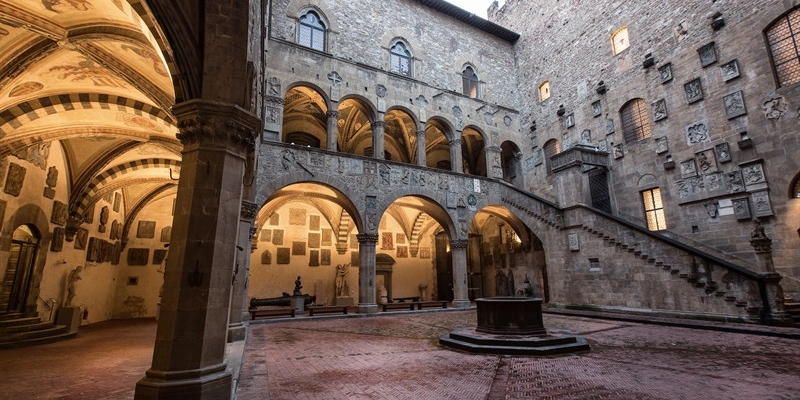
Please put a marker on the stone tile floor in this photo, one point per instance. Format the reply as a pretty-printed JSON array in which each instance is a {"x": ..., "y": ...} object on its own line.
[{"x": 396, "y": 356}]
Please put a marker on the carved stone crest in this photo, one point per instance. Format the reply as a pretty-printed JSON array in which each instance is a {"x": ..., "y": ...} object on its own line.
[{"x": 775, "y": 106}]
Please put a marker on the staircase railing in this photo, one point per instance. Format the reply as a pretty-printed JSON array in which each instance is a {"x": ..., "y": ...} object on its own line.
[{"x": 49, "y": 304}]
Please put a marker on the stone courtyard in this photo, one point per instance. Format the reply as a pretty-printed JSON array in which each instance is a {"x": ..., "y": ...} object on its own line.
[{"x": 396, "y": 356}]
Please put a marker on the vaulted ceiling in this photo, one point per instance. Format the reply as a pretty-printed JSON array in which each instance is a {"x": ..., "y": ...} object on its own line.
[{"x": 91, "y": 77}]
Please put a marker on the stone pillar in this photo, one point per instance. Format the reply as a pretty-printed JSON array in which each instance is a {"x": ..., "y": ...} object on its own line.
[
  {"x": 378, "y": 128},
  {"x": 366, "y": 273},
  {"x": 333, "y": 129},
  {"x": 455, "y": 155},
  {"x": 460, "y": 292},
  {"x": 237, "y": 330},
  {"x": 772, "y": 292},
  {"x": 189, "y": 352},
  {"x": 421, "y": 153}
]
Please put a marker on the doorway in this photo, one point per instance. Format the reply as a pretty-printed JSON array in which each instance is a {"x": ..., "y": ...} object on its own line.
[
  {"x": 444, "y": 268},
  {"x": 19, "y": 269}
]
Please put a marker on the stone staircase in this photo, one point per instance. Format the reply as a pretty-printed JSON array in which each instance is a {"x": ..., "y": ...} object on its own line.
[{"x": 18, "y": 330}]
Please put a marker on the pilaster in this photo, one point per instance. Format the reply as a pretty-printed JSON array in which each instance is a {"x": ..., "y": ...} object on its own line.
[{"x": 366, "y": 273}]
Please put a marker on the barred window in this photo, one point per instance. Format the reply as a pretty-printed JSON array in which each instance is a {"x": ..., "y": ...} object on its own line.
[
  {"x": 782, "y": 37},
  {"x": 311, "y": 31},
  {"x": 470, "y": 82},
  {"x": 635, "y": 121},
  {"x": 619, "y": 40},
  {"x": 654, "y": 210},
  {"x": 400, "y": 59}
]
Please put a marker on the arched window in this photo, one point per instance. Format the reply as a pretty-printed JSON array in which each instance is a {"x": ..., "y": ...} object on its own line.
[
  {"x": 619, "y": 40},
  {"x": 635, "y": 122},
  {"x": 544, "y": 91},
  {"x": 551, "y": 148},
  {"x": 400, "y": 59},
  {"x": 311, "y": 31},
  {"x": 784, "y": 49},
  {"x": 469, "y": 80}
]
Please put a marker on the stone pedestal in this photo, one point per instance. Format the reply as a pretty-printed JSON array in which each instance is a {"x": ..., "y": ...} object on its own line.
[
  {"x": 299, "y": 304},
  {"x": 70, "y": 317},
  {"x": 344, "y": 301}
]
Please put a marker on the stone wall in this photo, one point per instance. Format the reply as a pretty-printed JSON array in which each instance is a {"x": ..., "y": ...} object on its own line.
[{"x": 569, "y": 44}]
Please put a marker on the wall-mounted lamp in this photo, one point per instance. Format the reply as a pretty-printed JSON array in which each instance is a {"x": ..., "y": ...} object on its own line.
[
  {"x": 745, "y": 142},
  {"x": 669, "y": 164},
  {"x": 649, "y": 61},
  {"x": 601, "y": 88},
  {"x": 717, "y": 22},
  {"x": 561, "y": 111}
]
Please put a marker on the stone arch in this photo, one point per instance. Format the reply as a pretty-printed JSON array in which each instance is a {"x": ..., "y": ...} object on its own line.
[
  {"x": 511, "y": 162},
  {"x": 357, "y": 116},
  {"x": 297, "y": 7},
  {"x": 322, "y": 93},
  {"x": 305, "y": 115},
  {"x": 268, "y": 189},
  {"x": 431, "y": 198},
  {"x": 438, "y": 134},
  {"x": 474, "y": 143},
  {"x": 400, "y": 134}
]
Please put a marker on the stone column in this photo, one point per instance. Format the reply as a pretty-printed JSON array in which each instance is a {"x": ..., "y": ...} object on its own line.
[
  {"x": 366, "y": 273},
  {"x": 421, "y": 153},
  {"x": 378, "y": 128},
  {"x": 237, "y": 329},
  {"x": 459, "y": 255},
  {"x": 457, "y": 162},
  {"x": 333, "y": 129},
  {"x": 772, "y": 292},
  {"x": 189, "y": 352}
]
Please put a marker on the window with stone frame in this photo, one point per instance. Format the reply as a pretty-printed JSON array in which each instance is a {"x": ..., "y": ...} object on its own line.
[
  {"x": 620, "y": 41},
  {"x": 784, "y": 50},
  {"x": 544, "y": 91},
  {"x": 469, "y": 80},
  {"x": 654, "y": 210},
  {"x": 400, "y": 59},
  {"x": 635, "y": 121},
  {"x": 551, "y": 148},
  {"x": 311, "y": 31}
]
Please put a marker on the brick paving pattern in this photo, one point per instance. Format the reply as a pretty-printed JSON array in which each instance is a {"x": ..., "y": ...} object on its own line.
[{"x": 397, "y": 356}]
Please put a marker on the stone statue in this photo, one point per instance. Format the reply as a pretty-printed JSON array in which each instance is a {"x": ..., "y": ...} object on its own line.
[
  {"x": 527, "y": 289},
  {"x": 73, "y": 277},
  {"x": 297, "y": 286},
  {"x": 383, "y": 295},
  {"x": 341, "y": 280},
  {"x": 758, "y": 230}
]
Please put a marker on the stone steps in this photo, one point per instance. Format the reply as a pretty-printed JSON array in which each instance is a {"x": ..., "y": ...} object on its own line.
[{"x": 27, "y": 331}]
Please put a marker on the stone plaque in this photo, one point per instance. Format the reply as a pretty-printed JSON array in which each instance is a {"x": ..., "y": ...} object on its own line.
[
  {"x": 57, "y": 243},
  {"x": 400, "y": 238},
  {"x": 275, "y": 219},
  {"x": 114, "y": 230},
  {"x": 661, "y": 145},
  {"x": 529, "y": 163},
  {"x": 753, "y": 174},
  {"x": 117, "y": 201},
  {"x": 694, "y": 91},
  {"x": 313, "y": 240},
  {"x": 723, "y": 151},
  {"x": 2, "y": 213},
  {"x": 619, "y": 151},
  {"x": 697, "y": 133},
  {"x": 313, "y": 223},
  {"x": 741, "y": 208},
  {"x": 734, "y": 183},
  {"x": 660, "y": 110},
  {"x": 354, "y": 241},
  {"x": 761, "y": 203},
  {"x": 327, "y": 237},
  {"x": 88, "y": 214},
  {"x": 597, "y": 109},
  {"x": 325, "y": 256},
  {"x": 708, "y": 54},
  {"x": 159, "y": 255},
  {"x": 387, "y": 242},
  {"x": 729, "y": 70},
  {"x": 734, "y": 105},
  {"x": 266, "y": 235},
  {"x": 688, "y": 168},
  {"x": 146, "y": 229},
  {"x": 137, "y": 256},
  {"x": 166, "y": 234},
  {"x": 574, "y": 245},
  {"x": 93, "y": 251},
  {"x": 665, "y": 72},
  {"x": 297, "y": 216},
  {"x": 283, "y": 255},
  {"x": 266, "y": 257},
  {"x": 116, "y": 251},
  {"x": 715, "y": 184},
  {"x": 609, "y": 126},
  {"x": 277, "y": 237},
  {"x": 298, "y": 248},
  {"x": 569, "y": 121},
  {"x": 81, "y": 239},
  {"x": 313, "y": 258},
  {"x": 355, "y": 259},
  {"x": 59, "y": 216},
  {"x": 402, "y": 252},
  {"x": 706, "y": 163},
  {"x": 425, "y": 252},
  {"x": 15, "y": 179}
]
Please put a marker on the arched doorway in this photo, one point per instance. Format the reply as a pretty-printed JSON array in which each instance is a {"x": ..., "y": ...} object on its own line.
[{"x": 19, "y": 269}]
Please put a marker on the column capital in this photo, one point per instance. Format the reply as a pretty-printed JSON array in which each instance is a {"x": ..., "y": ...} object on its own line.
[
  {"x": 378, "y": 124},
  {"x": 203, "y": 121},
  {"x": 367, "y": 238},
  {"x": 421, "y": 133},
  {"x": 458, "y": 244},
  {"x": 332, "y": 114},
  {"x": 249, "y": 210},
  {"x": 455, "y": 142}
]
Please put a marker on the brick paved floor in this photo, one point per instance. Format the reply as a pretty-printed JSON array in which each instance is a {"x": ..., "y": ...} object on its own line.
[{"x": 397, "y": 356}]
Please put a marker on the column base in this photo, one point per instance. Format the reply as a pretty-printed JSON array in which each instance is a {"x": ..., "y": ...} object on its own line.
[
  {"x": 236, "y": 332},
  {"x": 213, "y": 383},
  {"x": 368, "y": 308},
  {"x": 461, "y": 304}
]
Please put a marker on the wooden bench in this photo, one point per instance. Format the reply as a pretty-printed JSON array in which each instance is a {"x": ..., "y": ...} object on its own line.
[
  {"x": 431, "y": 303},
  {"x": 403, "y": 299},
  {"x": 256, "y": 312},
  {"x": 326, "y": 309},
  {"x": 397, "y": 306}
]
